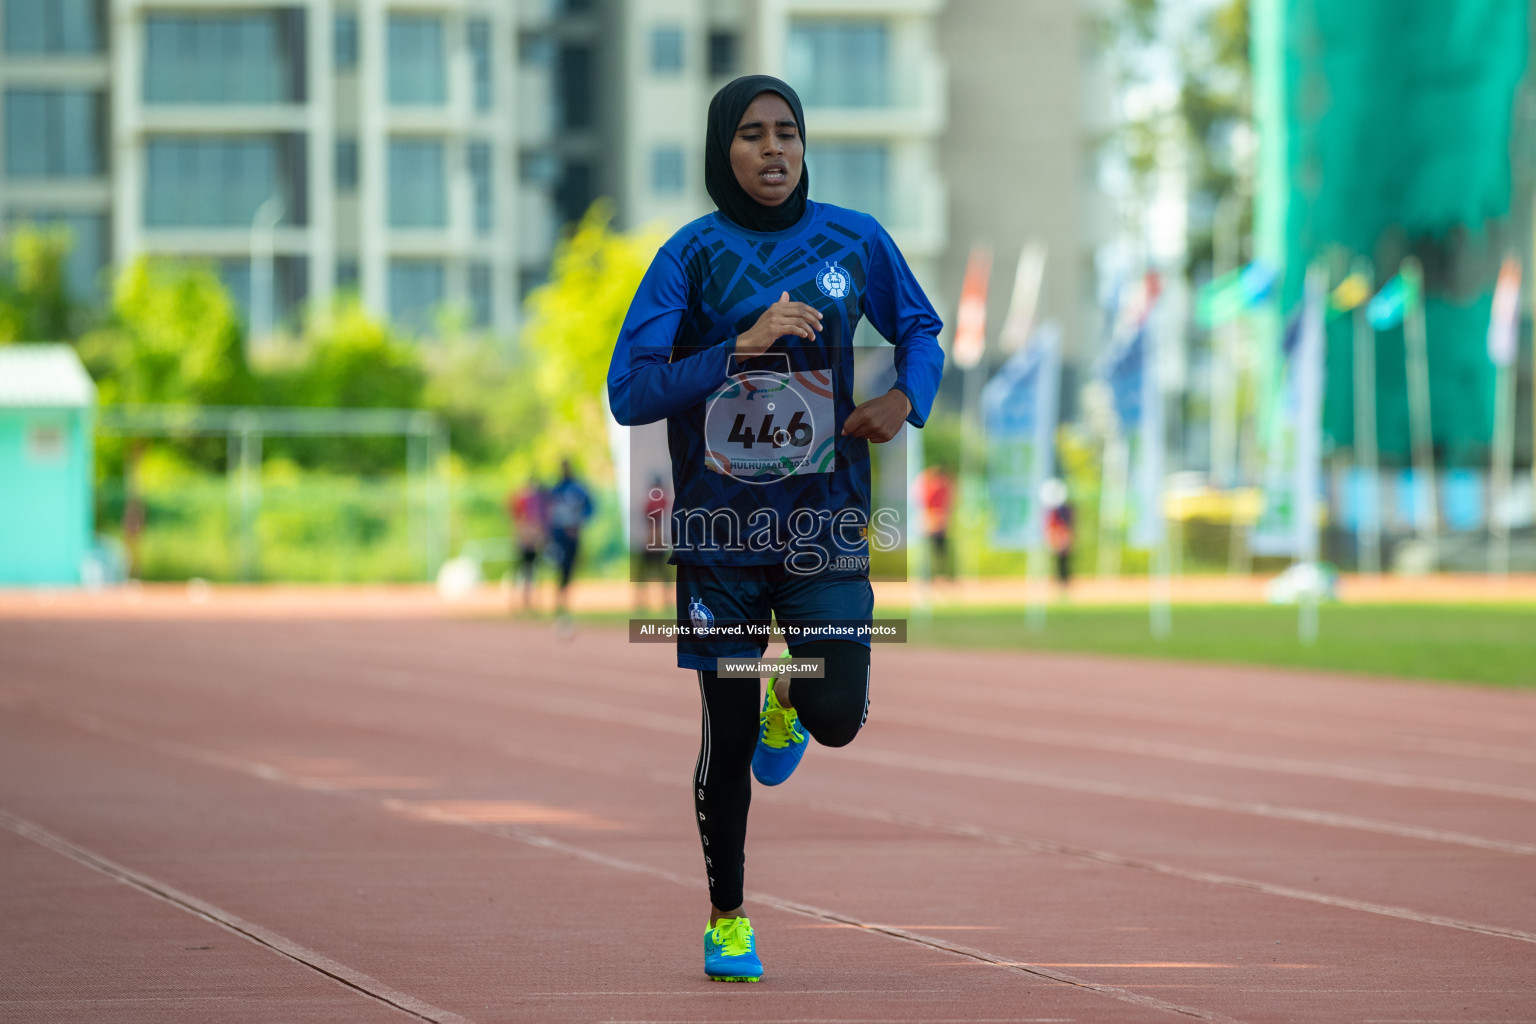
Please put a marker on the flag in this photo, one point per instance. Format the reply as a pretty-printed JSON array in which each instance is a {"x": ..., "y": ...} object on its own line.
[
  {"x": 1026, "y": 297},
  {"x": 1396, "y": 299},
  {"x": 1019, "y": 406},
  {"x": 971, "y": 321},
  {"x": 1232, "y": 293},
  {"x": 1504, "y": 324},
  {"x": 1351, "y": 292}
]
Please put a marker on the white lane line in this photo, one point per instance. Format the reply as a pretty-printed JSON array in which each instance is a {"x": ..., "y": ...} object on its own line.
[
  {"x": 1204, "y": 755},
  {"x": 270, "y": 773},
  {"x": 355, "y": 980},
  {"x": 573, "y": 707},
  {"x": 1120, "y": 860},
  {"x": 998, "y": 773}
]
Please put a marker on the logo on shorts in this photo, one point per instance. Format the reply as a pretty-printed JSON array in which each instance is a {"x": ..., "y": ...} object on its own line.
[
  {"x": 700, "y": 615},
  {"x": 833, "y": 281}
]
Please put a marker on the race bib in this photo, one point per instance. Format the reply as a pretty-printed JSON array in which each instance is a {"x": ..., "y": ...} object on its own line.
[{"x": 761, "y": 426}]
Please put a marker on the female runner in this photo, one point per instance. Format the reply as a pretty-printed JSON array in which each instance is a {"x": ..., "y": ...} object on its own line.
[{"x": 741, "y": 337}]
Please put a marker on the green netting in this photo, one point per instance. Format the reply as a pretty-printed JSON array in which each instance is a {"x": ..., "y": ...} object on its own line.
[{"x": 1393, "y": 119}]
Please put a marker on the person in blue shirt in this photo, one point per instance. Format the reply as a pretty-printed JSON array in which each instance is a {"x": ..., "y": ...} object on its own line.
[
  {"x": 567, "y": 507},
  {"x": 740, "y": 336}
]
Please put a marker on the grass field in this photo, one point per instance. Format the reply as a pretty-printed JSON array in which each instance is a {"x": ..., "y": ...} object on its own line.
[{"x": 1490, "y": 645}]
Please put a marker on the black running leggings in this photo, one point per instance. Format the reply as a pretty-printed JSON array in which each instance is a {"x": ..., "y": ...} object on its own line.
[{"x": 832, "y": 710}]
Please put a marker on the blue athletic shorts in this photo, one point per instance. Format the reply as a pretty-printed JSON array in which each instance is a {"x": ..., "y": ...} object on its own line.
[{"x": 826, "y": 606}]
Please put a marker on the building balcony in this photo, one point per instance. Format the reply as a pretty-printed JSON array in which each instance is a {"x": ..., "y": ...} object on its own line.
[
  {"x": 224, "y": 119},
  {"x": 916, "y": 105}
]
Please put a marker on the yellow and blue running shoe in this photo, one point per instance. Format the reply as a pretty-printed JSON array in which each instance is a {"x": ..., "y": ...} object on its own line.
[
  {"x": 781, "y": 740},
  {"x": 730, "y": 951}
]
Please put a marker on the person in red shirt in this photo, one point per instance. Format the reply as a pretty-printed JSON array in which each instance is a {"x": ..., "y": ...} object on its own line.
[
  {"x": 527, "y": 507},
  {"x": 935, "y": 493}
]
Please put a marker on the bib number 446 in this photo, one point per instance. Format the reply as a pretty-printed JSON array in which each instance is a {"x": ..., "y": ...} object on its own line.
[{"x": 796, "y": 433}]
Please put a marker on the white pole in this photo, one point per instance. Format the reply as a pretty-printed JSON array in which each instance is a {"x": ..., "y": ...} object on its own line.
[
  {"x": 1503, "y": 468},
  {"x": 1417, "y": 352},
  {"x": 1367, "y": 463},
  {"x": 1308, "y": 463},
  {"x": 263, "y": 244}
]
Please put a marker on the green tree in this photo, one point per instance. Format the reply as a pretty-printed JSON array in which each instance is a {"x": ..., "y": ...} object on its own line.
[
  {"x": 351, "y": 360},
  {"x": 573, "y": 322},
  {"x": 35, "y": 303},
  {"x": 175, "y": 338}
]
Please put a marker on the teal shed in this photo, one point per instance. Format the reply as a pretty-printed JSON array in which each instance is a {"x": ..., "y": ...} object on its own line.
[{"x": 47, "y": 415}]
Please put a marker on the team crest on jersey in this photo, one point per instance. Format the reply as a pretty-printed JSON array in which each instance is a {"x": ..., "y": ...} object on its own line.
[
  {"x": 700, "y": 615},
  {"x": 833, "y": 281}
]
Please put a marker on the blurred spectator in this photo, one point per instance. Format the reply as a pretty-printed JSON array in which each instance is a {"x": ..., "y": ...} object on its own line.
[
  {"x": 1059, "y": 531},
  {"x": 936, "y": 494},
  {"x": 527, "y": 508},
  {"x": 568, "y": 509},
  {"x": 651, "y": 560}
]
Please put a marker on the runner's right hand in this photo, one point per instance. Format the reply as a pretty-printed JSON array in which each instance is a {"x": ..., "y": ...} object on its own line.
[{"x": 781, "y": 318}]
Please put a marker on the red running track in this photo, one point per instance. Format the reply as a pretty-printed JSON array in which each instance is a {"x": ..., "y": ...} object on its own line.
[{"x": 320, "y": 820}]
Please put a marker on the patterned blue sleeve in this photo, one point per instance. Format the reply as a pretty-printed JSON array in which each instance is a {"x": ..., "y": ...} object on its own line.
[
  {"x": 644, "y": 384},
  {"x": 895, "y": 304}
]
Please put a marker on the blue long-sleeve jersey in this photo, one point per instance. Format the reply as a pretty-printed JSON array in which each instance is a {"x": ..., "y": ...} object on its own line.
[{"x": 754, "y": 443}]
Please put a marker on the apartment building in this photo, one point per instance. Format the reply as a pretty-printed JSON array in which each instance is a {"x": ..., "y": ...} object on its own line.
[
  {"x": 955, "y": 122},
  {"x": 428, "y": 152},
  {"x": 301, "y": 146}
]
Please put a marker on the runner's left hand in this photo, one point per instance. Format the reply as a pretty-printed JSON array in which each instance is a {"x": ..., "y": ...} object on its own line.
[{"x": 878, "y": 419}]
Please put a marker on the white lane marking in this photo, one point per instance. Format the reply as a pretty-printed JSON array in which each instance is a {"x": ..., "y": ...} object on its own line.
[
  {"x": 268, "y": 773},
  {"x": 355, "y": 980},
  {"x": 1204, "y": 755},
  {"x": 998, "y": 773},
  {"x": 1120, "y": 860},
  {"x": 571, "y": 707}
]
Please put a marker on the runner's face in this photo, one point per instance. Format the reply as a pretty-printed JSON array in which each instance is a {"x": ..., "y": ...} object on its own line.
[{"x": 767, "y": 153}]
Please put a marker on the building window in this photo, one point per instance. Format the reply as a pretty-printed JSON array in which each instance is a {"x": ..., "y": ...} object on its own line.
[
  {"x": 54, "y": 133},
  {"x": 208, "y": 181},
  {"x": 415, "y": 292},
  {"x": 667, "y": 176},
  {"x": 418, "y": 193},
  {"x": 575, "y": 191},
  {"x": 54, "y": 26},
  {"x": 348, "y": 274},
  {"x": 479, "y": 31},
  {"x": 418, "y": 70},
  {"x": 481, "y": 300},
  {"x": 89, "y": 246},
  {"x": 251, "y": 57},
  {"x": 346, "y": 165},
  {"x": 576, "y": 86},
  {"x": 482, "y": 186},
  {"x": 722, "y": 53},
  {"x": 667, "y": 50},
  {"x": 840, "y": 63},
  {"x": 855, "y": 175},
  {"x": 344, "y": 42},
  {"x": 539, "y": 169}
]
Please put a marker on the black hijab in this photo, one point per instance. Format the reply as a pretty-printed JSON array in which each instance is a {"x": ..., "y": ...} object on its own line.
[{"x": 725, "y": 112}]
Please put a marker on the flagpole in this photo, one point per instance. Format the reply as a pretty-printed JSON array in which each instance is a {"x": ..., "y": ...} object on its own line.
[
  {"x": 1153, "y": 454},
  {"x": 1503, "y": 350},
  {"x": 1368, "y": 521},
  {"x": 1503, "y": 468},
  {"x": 1308, "y": 466},
  {"x": 1419, "y": 413}
]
